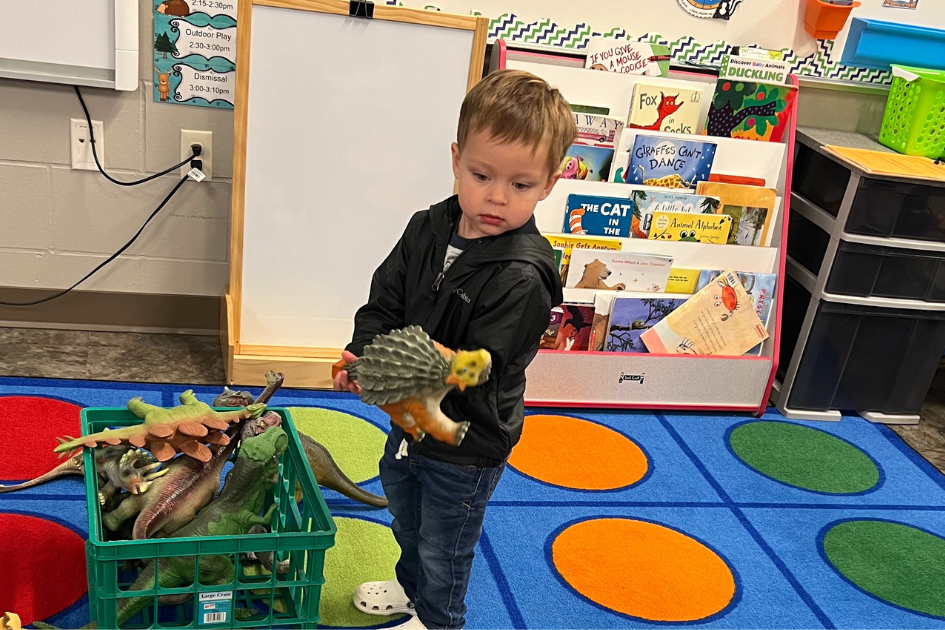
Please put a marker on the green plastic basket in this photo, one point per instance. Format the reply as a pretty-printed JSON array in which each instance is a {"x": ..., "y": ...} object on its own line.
[
  {"x": 301, "y": 532},
  {"x": 914, "y": 121}
]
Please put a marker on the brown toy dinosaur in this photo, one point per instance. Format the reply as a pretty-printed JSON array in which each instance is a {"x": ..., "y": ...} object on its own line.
[{"x": 407, "y": 375}]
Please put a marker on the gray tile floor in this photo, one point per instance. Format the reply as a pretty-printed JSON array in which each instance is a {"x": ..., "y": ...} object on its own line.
[{"x": 198, "y": 361}]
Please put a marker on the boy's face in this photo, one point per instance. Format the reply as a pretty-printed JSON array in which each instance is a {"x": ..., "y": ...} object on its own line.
[{"x": 499, "y": 184}]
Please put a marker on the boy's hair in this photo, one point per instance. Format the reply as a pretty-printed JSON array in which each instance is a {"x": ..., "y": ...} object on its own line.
[{"x": 516, "y": 106}]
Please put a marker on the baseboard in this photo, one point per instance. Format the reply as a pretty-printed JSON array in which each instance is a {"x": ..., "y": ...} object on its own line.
[{"x": 113, "y": 312}]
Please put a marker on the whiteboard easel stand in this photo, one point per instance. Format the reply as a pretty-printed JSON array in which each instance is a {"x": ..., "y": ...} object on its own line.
[
  {"x": 567, "y": 379},
  {"x": 247, "y": 364}
]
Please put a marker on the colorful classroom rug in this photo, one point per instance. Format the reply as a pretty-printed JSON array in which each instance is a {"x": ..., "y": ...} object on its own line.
[{"x": 602, "y": 520}]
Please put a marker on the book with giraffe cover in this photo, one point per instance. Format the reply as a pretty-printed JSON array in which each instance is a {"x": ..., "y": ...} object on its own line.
[{"x": 657, "y": 108}]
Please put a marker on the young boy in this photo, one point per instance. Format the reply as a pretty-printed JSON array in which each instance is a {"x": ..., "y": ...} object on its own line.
[{"x": 474, "y": 272}]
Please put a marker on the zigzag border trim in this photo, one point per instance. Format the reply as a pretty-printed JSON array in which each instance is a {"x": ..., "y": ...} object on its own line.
[{"x": 686, "y": 50}]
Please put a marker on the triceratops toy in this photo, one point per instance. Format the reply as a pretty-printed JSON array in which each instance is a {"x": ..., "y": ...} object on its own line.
[{"x": 407, "y": 375}]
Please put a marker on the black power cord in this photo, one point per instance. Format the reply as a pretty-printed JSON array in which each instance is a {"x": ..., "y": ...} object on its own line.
[
  {"x": 110, "y": 258},
  {"x": 88, "y": 119},
  {"x": 194, "y": 162}
]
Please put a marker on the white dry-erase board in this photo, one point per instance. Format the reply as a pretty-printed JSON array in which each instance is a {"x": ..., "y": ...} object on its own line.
[
  {"x": 78, "y": 42},
  {"x": 343, "y": 131}
]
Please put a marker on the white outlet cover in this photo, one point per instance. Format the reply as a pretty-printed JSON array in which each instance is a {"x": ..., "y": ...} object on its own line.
[
  {"x": 205, "y": 139},
  {"x": 81, "y": 148}
]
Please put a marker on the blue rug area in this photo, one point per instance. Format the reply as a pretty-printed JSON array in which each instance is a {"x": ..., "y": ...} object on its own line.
[{"x": 619, "y": 520}]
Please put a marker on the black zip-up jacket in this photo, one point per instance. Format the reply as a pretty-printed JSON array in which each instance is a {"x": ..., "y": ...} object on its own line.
[{"x": 497, "y": 294}]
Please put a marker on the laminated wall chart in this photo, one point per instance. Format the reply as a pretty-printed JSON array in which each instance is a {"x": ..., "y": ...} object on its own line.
[{"x": 195, "y": 52}]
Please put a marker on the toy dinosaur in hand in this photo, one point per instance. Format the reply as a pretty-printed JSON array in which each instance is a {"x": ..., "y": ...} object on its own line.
[
  {"x": 187, "y": 428},
  {"x": 407, "y": 375}
]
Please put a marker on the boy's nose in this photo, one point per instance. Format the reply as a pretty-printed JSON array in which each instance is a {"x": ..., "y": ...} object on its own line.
[{"x": 497, "y": 195}]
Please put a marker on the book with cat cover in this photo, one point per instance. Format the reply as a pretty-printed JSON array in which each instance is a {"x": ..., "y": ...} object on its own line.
[
  {"x": 569, "y": 242},
  {"x": 630, "y": 317},
  {"x": 752, "y": 210},
  {"x": 666, "y": 162},
  {"x": 597, "y": 131},
  {"x": 671, "y": 110},
  {"x": 588, "y": 163},
  {"x": 618, "y": 271},
  {"x": 646, "y": 202},
  {"x": 574, "y": 333},
  {"x": 758, "y": 286},
  {"x": 598, "y": 216},
  {"x": 751, "y": 111},
  {"x": 550, "y": 338},
  {"x": 718, "y": 320},
  {"x": 693, "y": 228},
  {"x": 603, "y": 300},
  {"x": 627, "y": 57}
]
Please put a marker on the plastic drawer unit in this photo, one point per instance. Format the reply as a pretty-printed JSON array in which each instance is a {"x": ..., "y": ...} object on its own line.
[{"x": 863, "y": 319}]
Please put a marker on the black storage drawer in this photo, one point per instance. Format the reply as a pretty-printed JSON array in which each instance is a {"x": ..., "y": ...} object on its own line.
[
  {"x": 892, "y": 209},
  {"x": 863, "y": 358},
  {"x": 796, "y": 301},
  {"x": 807, "y": 243},
  {"x": 889, "y": 272},
  {"x": 819, "y": 179}
]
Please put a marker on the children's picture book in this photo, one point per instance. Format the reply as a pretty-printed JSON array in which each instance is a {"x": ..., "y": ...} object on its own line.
[
  {"x": 550, "y": 338},
  {"x": 589, "y": 109},
  {"x": 645, "y": 203},
  {"x": 630, "y": 317},
  {"x": 668, "y": 162},
  {"x": 752, "y": 210},
  {"x": 741, "y": 68},
  {"x": 585, "y": 162},
  {"x": 658, "y": 108},
  {"x": 683, "y": 281},
  {"x": 558, "y": 253},
  {"x": 693, "y": 228},
  {"x": 574, "y": 333},
  {"x": 598, "y": 131},
  {"x": 621, "y": 55},
  {"x": 598, "y": 216},
  {"x": 758, "y": 286},
  {"x": 569, "y": 242},
  {"x": 618, "y": 271},
  {"x": 749, "y": 110},
  {"x": 603, "y": 300},
  {"x": 718, "y": 320}
]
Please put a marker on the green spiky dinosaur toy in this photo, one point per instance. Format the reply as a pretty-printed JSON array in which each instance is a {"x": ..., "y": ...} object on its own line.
[{"x": 187, "y": 428}]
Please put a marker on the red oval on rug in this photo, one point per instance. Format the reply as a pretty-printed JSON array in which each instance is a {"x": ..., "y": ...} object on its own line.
[
  {"x": 43, "y": 567},
  {"x": 30, "y": 427}
]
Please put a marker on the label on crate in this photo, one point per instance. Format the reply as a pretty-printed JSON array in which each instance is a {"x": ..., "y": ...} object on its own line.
[{"x": 215, "y": 608}]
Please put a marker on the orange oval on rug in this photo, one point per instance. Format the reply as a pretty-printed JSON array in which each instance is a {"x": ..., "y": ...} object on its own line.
[
  {"x": 643, "y": 570},
  {"x": 575, "y": 453}
]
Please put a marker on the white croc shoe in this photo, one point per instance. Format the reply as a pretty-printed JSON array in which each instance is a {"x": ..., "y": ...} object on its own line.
[
  {"x": 382, "y": 598},
  {"x": 413, "y": 623}
]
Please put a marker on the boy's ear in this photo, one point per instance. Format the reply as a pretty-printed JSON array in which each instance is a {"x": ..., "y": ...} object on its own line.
[
  {"x": 454, "y": 149},
  {"x": 549, "y": 186}
]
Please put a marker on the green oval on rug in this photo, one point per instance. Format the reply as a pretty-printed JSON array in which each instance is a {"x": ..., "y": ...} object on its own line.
[
  {"x": 896, "y": 563},
  {"x": 364, "y": 551},
  {"x": 356, "y": 445},
  {"x": 805, "y": 458}
]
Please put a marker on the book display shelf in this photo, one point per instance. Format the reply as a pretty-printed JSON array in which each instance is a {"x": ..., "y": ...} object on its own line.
[{"x": 562, "y": 378}]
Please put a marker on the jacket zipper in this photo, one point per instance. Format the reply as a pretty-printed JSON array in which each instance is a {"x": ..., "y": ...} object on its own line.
[{"x": 440, "y": 276}]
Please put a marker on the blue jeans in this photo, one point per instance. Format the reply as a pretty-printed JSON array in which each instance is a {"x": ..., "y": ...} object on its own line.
[{"x": 438, "y": 512}]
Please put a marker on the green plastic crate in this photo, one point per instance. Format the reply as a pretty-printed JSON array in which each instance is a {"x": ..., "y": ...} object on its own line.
[
  {"x": 914, "y": 121},
  {"x": 301, "y": 532}
]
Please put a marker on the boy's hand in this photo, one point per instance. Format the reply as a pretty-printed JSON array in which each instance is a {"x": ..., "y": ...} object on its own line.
[{"x": 341, "y": 382}]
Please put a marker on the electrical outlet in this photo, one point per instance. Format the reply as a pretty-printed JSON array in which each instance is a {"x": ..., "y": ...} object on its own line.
[
  {"x": 81, "y": 147},
  {"x": 205, "y": 140}
]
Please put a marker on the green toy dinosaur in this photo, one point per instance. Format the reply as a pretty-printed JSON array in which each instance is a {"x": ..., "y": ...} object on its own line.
[
  {"x": 165, "y": 431},
  {"x": 233, "y": 513}
]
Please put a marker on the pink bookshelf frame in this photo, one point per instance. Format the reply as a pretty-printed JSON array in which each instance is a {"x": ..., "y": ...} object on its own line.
[{"x": 556, "y": 378}]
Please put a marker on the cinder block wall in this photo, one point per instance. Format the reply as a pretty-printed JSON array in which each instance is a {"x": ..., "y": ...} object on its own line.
[{"x": 56, "y": 223}]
